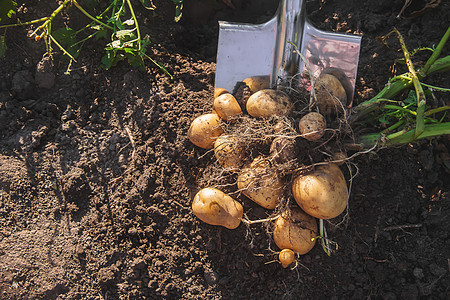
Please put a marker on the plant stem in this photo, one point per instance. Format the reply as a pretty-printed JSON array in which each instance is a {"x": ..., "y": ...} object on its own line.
[
  {"x": 136, "y": 24},
  {"x": 405, "y": 136},
  {"x": 61, "y": 47},
  {"x": 436, "y": 110},
  {"x": 52, "y": 16},
  {"x": 421, "y": 100},
  {"x": 26, "y": 23},
  {"x": 89, "y": 16},
  {"x": 436, "y": 52}
]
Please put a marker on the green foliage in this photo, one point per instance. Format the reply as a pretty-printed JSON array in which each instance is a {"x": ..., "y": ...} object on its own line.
[
  {"x": 406, "y": 120},
  {"x": 118, "y": 21},
  {"x": 7, "y": 9}
]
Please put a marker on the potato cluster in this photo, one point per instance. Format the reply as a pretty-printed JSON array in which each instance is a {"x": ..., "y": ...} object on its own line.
[{"x": 320, "y": 191}]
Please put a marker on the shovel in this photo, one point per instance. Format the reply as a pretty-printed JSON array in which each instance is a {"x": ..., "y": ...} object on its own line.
[{"x": 246, "y": 50}]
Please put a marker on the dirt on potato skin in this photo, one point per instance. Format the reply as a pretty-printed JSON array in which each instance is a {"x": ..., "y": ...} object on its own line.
[{"x": 85, "y": 212}]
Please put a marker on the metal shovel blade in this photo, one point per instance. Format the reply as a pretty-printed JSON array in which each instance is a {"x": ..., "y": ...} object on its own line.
[{"x": 246, "y": 50}]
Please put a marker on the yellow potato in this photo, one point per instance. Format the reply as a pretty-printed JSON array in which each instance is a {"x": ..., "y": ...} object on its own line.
[
  {"x": 283, "y": 149},
  {"x": 260, "y": 183},
  {"x": 214, "y": 207},
  {"x": 257, "y": 83},
  {"x": 227, "y": 107},
  {"x": 229, "y": 152},
  {"x": 331, "y": 95},
  {"x": 343, "y": 79},
  {"x": 321, "y": 193},
  {"x": 286, "y": 257},
  {"x": 267, "y": 103},
  {"x": 204, "y": 131},
  {"x": 312, "y": 126},
  {"x": 220, "y": 91},
  {"x": 295, "y": 230}
]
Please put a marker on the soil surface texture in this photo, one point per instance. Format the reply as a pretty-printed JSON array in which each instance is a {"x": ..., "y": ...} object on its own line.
[{"x": 97, "y": 174}]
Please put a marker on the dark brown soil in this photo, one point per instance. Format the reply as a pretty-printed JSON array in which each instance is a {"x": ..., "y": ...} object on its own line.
[{"x": 86, "y": 215}]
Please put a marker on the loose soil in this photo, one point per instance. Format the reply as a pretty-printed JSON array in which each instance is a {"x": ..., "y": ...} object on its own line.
[{"x": 97, "y": 174}]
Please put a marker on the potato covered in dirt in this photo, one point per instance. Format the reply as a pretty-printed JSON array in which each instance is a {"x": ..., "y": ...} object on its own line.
[
  {"x": 331, "y": 95},
  {"x": 267, "y": 103},
  {"x": 257, "y": 83},
  {"x": 321, "y": 193},
  {"x": 295, "y": 230},
  {"x": 227, "y": 107},
  {"x": 312, "y": 126},
  {"x": 260, "y": 183},
  {"x": 204, "y": 131},
  {"x": 214, "y": 207},
  {"x": 229, "y": 152},
  {"x": 283, "y": 149}
]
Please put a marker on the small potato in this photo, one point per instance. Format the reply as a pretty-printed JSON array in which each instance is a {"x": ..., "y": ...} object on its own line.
[
  {"x": 214, "y": 207},
  {"x": 227, "y": 107},
  {"x": 220, "y": 91},
  {"x": 267, "y": 103},
  {"x": 257, "y": 83},
  {"x": 331, "y": 95},
  {"x": 321, "y": 193},
  {"x": 229, "y": 152},
  {"x": 260, "y": 183},
  {"x": 286, "y": 257},
  {"x": 204, "y": 131},
  {"x": 295, "y": 230},
  {"x": 312, "y": 126},
  {"x": 283, "y": 149}
]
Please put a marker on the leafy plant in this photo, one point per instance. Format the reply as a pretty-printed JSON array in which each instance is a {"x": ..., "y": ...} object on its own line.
[
  {"x": 412, "y": 118},
  {"x": 118, "y": 20}
]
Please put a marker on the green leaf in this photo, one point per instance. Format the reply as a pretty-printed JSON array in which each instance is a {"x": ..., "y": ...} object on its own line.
[
  {"x": 2, "y": 46},
  {"x": 125, "y": 35},
  {"x": 7, "y": 9}
]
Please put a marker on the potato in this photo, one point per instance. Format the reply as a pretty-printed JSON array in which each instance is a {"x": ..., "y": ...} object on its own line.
[
  {"x": 283, "y": 149},
  {"x": 267, "y": 103},
  {"x": 295, "y": 230},
  {"x": 229, "y": 152},
  {"x": 343, "y": 79},
  {"x": 321, "y": 193},
  {"x": 204, "y": 131},
  {"x": 331, "y": 95},
  {"x": 227, "y": 107},
  {"x": 257, "y": 83},
  {"x": 220, "y": 91},
  {"x": 286, "y": 257},
  {"x": 260, "y": 183},
  {"x": 214, "y": 207},
  {"x": 312, "y": 126}
]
